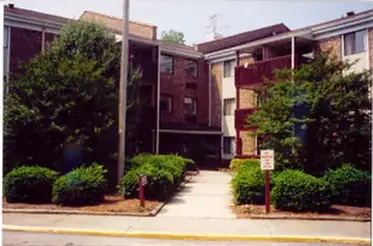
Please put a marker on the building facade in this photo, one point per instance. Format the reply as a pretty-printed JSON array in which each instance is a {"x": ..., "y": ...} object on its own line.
[
  {"x": 196, "y": 98},
  {"x": 348, "y": 38}
]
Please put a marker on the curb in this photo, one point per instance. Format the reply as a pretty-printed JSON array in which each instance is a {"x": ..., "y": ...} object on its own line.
[
  {"x": 152, "y": 213},
  {"x": 204, "y": 237},
  {"x": 71, "y": 212},
  {"x": 285, "y": 217}
]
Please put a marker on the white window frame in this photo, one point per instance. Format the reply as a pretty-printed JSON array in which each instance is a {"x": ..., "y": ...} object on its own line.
[
  {"x": 231, "y": 71},
  {"x": 229, "y": 102},
  {"x": 231, "y": 144},
  {"x": 366, "y": 43},
  {"x": 194, "y": 102},
  {"x": 163, "y": 63}
]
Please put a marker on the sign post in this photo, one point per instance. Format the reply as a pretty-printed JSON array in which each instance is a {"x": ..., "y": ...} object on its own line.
[
  {"x": 267, "y": 163},
  {"x": 142, "y": 182}
]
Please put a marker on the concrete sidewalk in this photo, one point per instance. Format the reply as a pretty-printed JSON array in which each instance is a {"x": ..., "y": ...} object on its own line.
[
  {"x": 289, "y": 229},
  {"x": 207, "y": 195}
]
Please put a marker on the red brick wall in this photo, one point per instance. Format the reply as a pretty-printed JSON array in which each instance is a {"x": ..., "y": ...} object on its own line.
[
  {"x": 175, "y": 85},
  {"x": 25, "y": 44}
]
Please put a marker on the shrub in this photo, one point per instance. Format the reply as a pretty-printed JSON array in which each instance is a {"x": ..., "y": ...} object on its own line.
[
  {"x": 82, "y": 186},
  {"x": 235, "y": 164},
  {"x": 248, "y": 185},
  {"x": 29, "y": 184},
  {"x": 298, "y": 191},
  {"x": 350, "y": 186},
  {"x": 160, "y": 182}
]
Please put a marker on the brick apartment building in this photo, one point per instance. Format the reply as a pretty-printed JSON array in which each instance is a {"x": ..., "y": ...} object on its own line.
[
  {"x": 239, "y": 63},
  {"x": 201, "y": 94}
]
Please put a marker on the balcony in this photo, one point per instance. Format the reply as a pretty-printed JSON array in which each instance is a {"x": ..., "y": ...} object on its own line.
[
  {"x": 253, "y": 74},
  {"x": 240, "y": 116}
]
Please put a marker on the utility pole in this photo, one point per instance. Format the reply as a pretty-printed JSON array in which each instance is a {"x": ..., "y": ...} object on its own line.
[{"x": 123, "y": 93}]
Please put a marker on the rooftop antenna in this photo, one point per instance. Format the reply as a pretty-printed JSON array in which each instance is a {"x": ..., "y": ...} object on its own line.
[{"x": 214, "y": 28}]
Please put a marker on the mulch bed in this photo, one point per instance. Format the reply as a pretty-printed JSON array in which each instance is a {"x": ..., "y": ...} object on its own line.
[
  {"x": 247, "y": 211},
  {"x": 112, "y": 203}
]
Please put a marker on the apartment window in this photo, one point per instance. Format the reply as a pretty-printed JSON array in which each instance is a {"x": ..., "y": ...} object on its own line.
[
  {"x": 190, "y": 68},
  {"x": 167, "y": 64},
  {"x": 165, "y": 103},
  {"x": 190, "y": 106},
  {"x": 229, "y": 68},
  {"x": 229, "y": 106},
  {"x": 354, "y": 42},
  {"x": 228, "y": 145}
]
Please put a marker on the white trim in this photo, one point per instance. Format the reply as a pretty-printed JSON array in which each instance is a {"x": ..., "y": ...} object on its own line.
[
  {"x": 7, "y": 69},
  {"x": 348, "y": 24},
  {"x": 342, "y": 46},
  {"x": 229, "y": 57},
  {"x": 1, "y": 81},
  {"x": 43, "y": 41},
  {"x": 31, "y": 20},
  {"x": 193, "y": 132},
  {"x": 182, "y": 52},
  {"x": 158, "y": 99},
  {"x": 344, "y": 31},
  {"x": 256, "y": 144},
  {"x": 301, "y": 33},
  {"x": 210, "y": 110},
  {"x": 28, "y": 26},
  {"x": 368, "y": 47},
  {"x": 293, "y": 52}
]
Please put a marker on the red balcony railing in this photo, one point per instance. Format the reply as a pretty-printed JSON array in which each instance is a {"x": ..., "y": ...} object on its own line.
[
  {"x": 254, "y": 73},
  {"x": 241, "y": 116}
]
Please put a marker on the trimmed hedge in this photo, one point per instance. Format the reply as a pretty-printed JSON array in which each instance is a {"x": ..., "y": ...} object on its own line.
[
  {"x": 248, "y": 185},
  {"x": 29, "y": 184},
  {"x": 82, "y": 186},
  {"x": 235, "y": 164},
  {"x": 350, "y": 185},
  {"x": 298, "y": 191},
  {"x": 164, "y": 174}
]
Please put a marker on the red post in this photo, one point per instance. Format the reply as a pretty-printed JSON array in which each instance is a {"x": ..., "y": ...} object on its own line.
[
  {"x": 267, "y": 192},
  {"x": 141, "y": 192}
]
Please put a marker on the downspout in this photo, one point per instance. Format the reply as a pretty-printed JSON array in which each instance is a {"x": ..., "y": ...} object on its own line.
[
  {"x": 43, "y": 39},
  {"x": 210, "y": 95},
  {"x": 158, "y": 99}
]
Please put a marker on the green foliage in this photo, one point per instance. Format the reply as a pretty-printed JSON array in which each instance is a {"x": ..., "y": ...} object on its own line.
[
  {"x": 320, "y": 120},
  {"x": 173, "y": 36},
  {"x": 248, "y": 185},
  {"x": 235, "y": 164},
  {"x": 164, "y": 174},
  {"x": 67, "y": 95},
  {"x": 82, "y": 186},
  {"x": 160, "y": 182},
  {"x": 298, "y": 191},
  {"x": 351, "y": 186},
  {"x": 29, "y": 184}
]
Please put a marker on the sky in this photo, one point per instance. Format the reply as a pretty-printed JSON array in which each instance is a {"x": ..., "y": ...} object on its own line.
[{"x": 192, "y": 17}]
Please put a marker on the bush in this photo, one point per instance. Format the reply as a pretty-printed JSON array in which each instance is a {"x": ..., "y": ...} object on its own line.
[
  {"x": 29, "y": 184},
  {"x": 235, "y": 164},
  {"x": 82, "y": 186},
  {"x": 164, "y": 174},
  {"x": 248, "y": 185},
  {"x": 298, "y": 191},
  {"x": 350, "y": 186},
  {"x": 160, "y": 182}
]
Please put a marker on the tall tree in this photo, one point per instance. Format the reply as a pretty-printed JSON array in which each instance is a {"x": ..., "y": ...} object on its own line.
[
  {"x": 320, "y": 120},
  {"x": 68, "y": 95},
  {"x": 173, "y": 36}
]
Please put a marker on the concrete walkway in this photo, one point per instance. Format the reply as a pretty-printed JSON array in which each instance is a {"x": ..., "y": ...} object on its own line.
[{"x": 207, "y": 195}]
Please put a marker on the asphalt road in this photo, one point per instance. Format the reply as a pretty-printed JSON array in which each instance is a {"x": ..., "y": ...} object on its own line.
[{"x": 39, "y": 239}]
